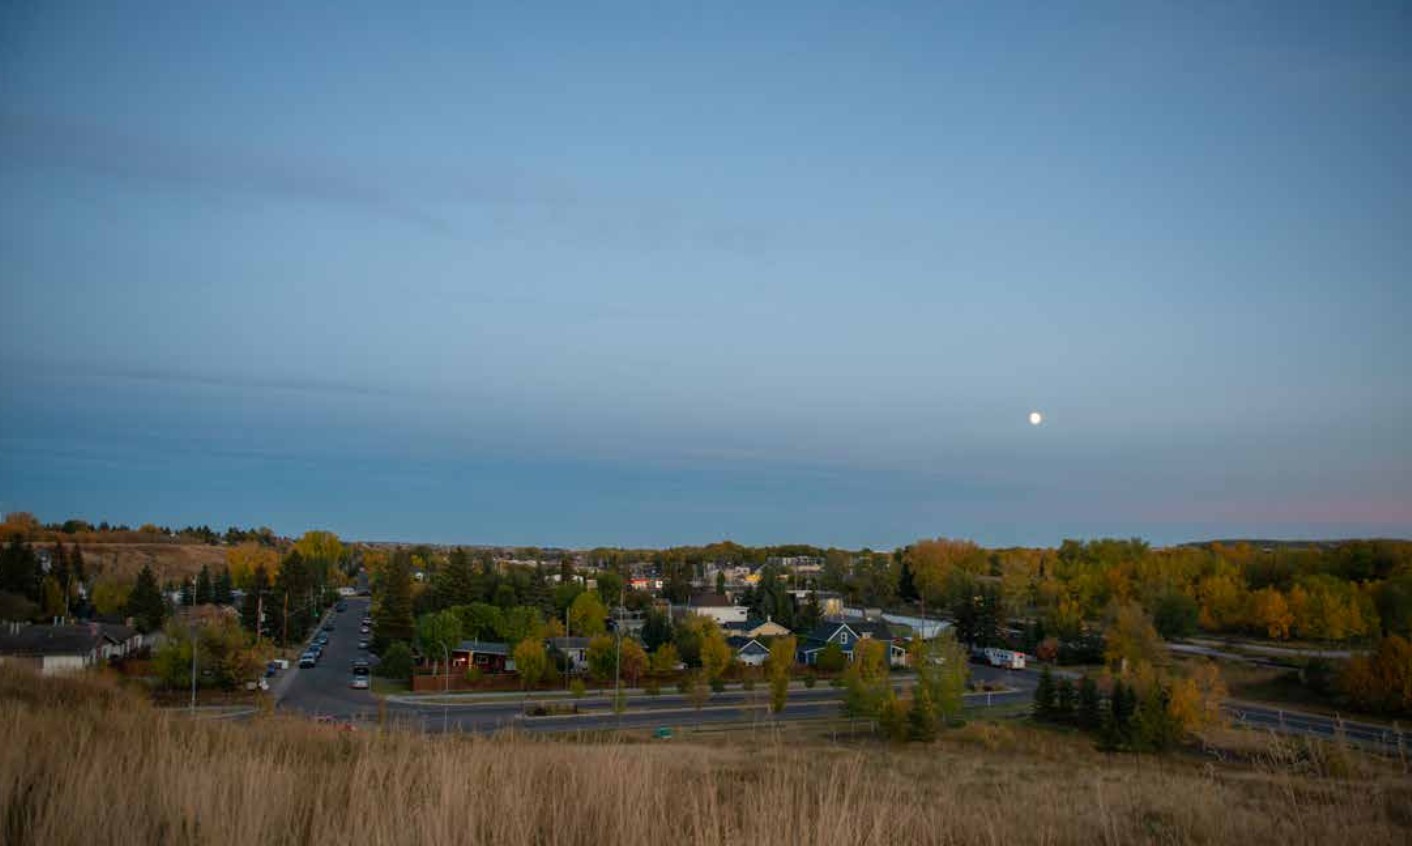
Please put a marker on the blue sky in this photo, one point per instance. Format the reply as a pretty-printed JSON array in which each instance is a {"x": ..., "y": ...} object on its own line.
[{"x": 612, "y": 274}]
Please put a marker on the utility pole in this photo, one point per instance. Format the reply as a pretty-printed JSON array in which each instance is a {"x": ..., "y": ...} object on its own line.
[
  {"x": 193, "y": 653},
  {"x": 618, "y": 668}
]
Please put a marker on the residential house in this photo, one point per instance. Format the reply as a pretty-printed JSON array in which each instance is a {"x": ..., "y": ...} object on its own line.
[
  {"x": 484, "y": 656},
  {"x": 572, "y": 652},
  {"x": 754, "y": 627},
  {"x": 748, "y": 650},
  {"x": 718, "y": 607},
  {"x": 68, "y": 648},
  {"x": 847, "y": 635}
]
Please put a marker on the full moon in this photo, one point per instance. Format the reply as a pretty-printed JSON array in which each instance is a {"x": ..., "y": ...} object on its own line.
[{"x": 1036, "y": 418}]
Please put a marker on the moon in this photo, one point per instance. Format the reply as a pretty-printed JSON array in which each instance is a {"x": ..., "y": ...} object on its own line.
[{"x": 1036, "y": 418}]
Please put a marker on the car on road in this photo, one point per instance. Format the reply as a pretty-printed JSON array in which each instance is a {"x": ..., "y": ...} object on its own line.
[
  {"x": 361, "y": 666},
  {"x": 341, "y": 607},
  {"x": 271, "y": 668},
  {"x": 328, "y": 627},
  {"x": 363, "y": 644},
  {"x": 321, "y": 639},
  {"x": 359, "y": 683},
  {"x": 307, "y": 661}
]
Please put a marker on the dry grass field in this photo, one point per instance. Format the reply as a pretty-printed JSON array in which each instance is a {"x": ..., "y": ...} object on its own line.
[
  {"x": 85, "y": 763},
  {"x": 169, "y": 561}
]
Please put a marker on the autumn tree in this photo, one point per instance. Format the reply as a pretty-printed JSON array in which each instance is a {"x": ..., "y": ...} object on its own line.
[
  {"x": 242, "y": 561},
  {"x": 531, "y": 662},
  {"x": 938, "y": 565},
  {"x": 715, "y": 652},
  {"x": 1195, "y": 701},
  {"x": 602, "y": 656},
  {"x": 665, "y": 659},
  {"x": 587, "y": 615},
  {"x": 1131, "y": 638},
  {"x": 1270, "y": 613},
  {"x": 780, "y": 666},
  {"x": 633, "y": 661}
]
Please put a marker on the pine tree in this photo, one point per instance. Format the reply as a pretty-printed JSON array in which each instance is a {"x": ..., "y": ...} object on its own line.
[
  {"x": 1117, "y": 724},
  {"x": 145, "y": 604},
  {"x": 1064, "y": 701},
  {"x": 250, "y": 606},
  {"x": 1044, "y": 695},
  {"x": 19, "y": 570},
  {"x": 395, "y": 620},
  {"x": 224, "y": 589},
  {"x": 921, "y": 717},
  {"x": 188, "y": 594},
  {"x": 1089, "y": 713},
  {"x": 76, "y": 569},
  {"x": 205, "y": 592}
]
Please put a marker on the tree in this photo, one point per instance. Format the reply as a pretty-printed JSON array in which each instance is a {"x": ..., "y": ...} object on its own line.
[
  {"x": 1382, "y": 681},
  {"x": 205, "y": 588},
  {"x": 1089, "y": 715},
  {"x": 110, "y": 596},
  {"x": 1044, "y": 696},
  {"x": 321, "y": 549},
  {"x": 831, "y": 659},
  {"x": 602, "y": 657},
  {"x": 587, "y": 615},
  {"x": 866, "y": 683},
  {"x": 698, "y": 691},
  {"x": 531, "y": 661},
  {"x": 519, "y": 623},
  {"x": 721, "y": 582},
  {"x": 244, "y": 559},
  {"x": 921, "y": 717},
  {"x": 656, "y": 630},
  {"x": 396, "y": 662},
  {"x": 252, "y": 604},
  {"x": 393, "y": 612},
  {"x": 1131, "y": 638},
  {"x": 780, "y": 666},
  {"x": 1270, "y": 613},
  {"x": 715, "y": 652},
  {"x": 438, "y": 634},
  {"x": 1064, "y": 700},
  {"x": 1194, "y": 702},
  {"x": 19, "y": 569},
  {"x": 942, "y": 669},
  {"x": 223, "y": 592},
  {"x": 665, "y": 659},
  {"x": 634, "y": 660},
  {"x": 145, "y": 604},
  {"x": 936, "y": 564},
  {"x": 188, "y": 593},
  {"x": 456, "y": 584},
  {"x": 1175, "y": 615},
  {"x": 480, "y": 620}
]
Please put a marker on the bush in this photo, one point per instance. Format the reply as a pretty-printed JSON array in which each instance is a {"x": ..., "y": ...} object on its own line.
[
  {"x": 396, "y": 662},
  {"x": 652, "y": 688},
  {"x": 474, "y": 675},
  {"x": 717, "y": 685},
  {"x": 684, "y": 685},
  {"x": 810, "y": 680},
  {"x": 835, "y": 682},
  {"x": 748, "y": 684},
  {"x": 577, "y": 689}
]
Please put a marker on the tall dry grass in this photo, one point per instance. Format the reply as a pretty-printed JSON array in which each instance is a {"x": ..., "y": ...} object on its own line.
[{"x": 85, "y": 764}]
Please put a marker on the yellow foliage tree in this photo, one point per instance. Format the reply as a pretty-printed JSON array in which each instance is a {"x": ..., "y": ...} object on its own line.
[
  {"x": 933, "y": 563},
  {"x": 1195, "y": 701},
  {"x": 243, "y": 559},
  {"x": 1131, "y": 638},
  {"x": 1270, "y": 611}
]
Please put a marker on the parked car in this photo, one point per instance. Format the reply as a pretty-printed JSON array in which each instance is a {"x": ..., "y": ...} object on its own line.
[
  {"x": 328, "y": 627},
  {"x": 360, "y": 667},
  {"x": 341, "y": 607},
  {"x": 359, "y": 683},
  {"x": 307, "y": 660},
  {"x": 271, "y": 668},
  {"x": 363, "y": 644}
]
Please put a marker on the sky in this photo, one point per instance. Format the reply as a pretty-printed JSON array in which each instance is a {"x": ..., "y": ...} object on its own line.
[{"x": 647, "y": 274}]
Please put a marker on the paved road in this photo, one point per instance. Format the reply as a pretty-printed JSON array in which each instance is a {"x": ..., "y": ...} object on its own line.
[
  {"x": 324, "y": 688},
  {"x": 1266, "y": 718}
]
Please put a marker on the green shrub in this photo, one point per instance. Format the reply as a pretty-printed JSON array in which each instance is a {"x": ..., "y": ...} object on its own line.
[
  {"x": 396, "y": 662},
  {"x": 717, "y": 685},
  {"x": 576, "y": 688},
  {"x": 810, "y": 679}
]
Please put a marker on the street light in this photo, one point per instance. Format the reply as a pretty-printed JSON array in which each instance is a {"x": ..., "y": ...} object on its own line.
[{"x": 446, "y": 689}]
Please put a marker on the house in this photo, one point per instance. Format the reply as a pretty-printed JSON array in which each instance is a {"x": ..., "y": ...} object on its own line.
[
  {"x": 572, "y": 651},
  {"x": 847, "y": 635},
  {"x": 62, "y": 649},
  {"x": 748, "y": 650},
  {"x": 717, "y": 607},
  {"x": 755, "y": 627},
  {"x": 484, "y": 656}
]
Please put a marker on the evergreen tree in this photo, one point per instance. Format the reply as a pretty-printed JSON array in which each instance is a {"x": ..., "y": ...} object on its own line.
[
  {"x": 656, "y": 630},
  {"x": 810, "y": 615},
  {"x": 1089, "y": 714},
  {"x": 251, "y": 605},
  {"x": 188, "y": 594},
  {"x": 19, "y": 570},
  {"x": 1064, "y": 696},
  {"x": 1044, "y": 695},
  {"x": 921, "y": 717},
  {"x": 76, "y": 567},
  {"x": 145, "y": 604},
  {"x": 456, "y": 583},
  {"x": 205, "y": 590},
  {"x": 906, "y": 580},
  {"x": 394, "y": 611},
  {"x": 1154, "y": 727},
  {"x": 539, "y": 593},
  {"x": 224, "y": 590},
  {"x": 297, "y": 610},
  {"x": 721, "y": 582}
]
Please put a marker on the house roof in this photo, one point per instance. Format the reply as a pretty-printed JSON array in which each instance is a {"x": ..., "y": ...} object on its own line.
[
  {"x": 568, "y": 642},
  {"x": 483, "y": 647},
  {"x": 739, "y": 643},
  {"x": 710, "y": 600},
  {"x": 51, "y": 640},
  {"x": 825, "y": 631}
]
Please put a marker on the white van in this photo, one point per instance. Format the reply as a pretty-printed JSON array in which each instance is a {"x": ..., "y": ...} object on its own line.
[{"x": 1007, "y": 658}]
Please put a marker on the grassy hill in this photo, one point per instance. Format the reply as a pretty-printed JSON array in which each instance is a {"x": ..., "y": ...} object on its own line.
[
  {"x": 169, "y": 561},
  {"x": 86, "y": 763}
]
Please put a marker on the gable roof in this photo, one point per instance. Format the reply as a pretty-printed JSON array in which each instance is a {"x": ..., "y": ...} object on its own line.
[
  {"x": 710, "y": 600},
  {"x": 739, "y": 643},
  {"x": 483, "y": 647},
  {"x": 51, "y": 640},
  {"x": 828, "y": 631},
  {"x": 562, "y": 643}
]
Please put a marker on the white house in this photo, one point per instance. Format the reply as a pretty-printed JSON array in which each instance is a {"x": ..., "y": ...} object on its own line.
[{"x": 718, "y": 608}]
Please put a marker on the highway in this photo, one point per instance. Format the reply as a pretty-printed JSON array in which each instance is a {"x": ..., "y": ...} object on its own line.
[{"x": 324, "y": 691}]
